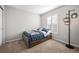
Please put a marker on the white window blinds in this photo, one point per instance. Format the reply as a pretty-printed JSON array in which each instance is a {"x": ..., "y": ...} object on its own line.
[{"x": 52, "y": 23}]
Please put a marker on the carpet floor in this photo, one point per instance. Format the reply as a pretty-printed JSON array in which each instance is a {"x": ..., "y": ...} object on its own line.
[{"x": 49, "y": 46}]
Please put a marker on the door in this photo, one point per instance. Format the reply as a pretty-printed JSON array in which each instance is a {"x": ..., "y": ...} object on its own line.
[{"x": 0, "y": 26}]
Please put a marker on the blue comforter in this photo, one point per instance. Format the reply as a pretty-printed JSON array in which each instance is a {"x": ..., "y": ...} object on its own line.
[{"x": 39, "y": 35}]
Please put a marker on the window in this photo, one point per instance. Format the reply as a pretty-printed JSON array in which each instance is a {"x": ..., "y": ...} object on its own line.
[
  {"x": 52, "y": 23},
  {"x": 55, "y": 23},
  {"x": 49, "y": 22}
]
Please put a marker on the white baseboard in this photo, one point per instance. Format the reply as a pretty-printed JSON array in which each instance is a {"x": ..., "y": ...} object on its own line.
[
  {"x": 66, "y": 42},
  {"x": 75, "y": 45},
  {"x": 54, "y": 39},
  {"x": 11, "y": 40}
]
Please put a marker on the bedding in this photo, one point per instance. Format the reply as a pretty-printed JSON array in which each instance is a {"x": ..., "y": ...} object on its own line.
[
  {"x": 36, "y": 36},
  {"x": 44, "y": 29},
  {"x": 46, "y": 34},
  {"x": 40, "y": 28}
]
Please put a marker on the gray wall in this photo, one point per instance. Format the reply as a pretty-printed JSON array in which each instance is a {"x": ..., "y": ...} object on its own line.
[
  {"x": 62, "y": 34},
  {"x": 17, "y": 21}
]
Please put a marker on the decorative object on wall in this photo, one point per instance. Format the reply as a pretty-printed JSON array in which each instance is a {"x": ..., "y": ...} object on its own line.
[{"x": 67, "y": 21}]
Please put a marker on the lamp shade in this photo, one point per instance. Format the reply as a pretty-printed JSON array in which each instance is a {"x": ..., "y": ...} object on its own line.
[
  {"x": 74, "y": 15},
  {"x": 66, "y": 20}
]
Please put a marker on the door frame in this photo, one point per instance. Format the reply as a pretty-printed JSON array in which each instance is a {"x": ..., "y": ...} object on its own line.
[{"x": 2, "y": 22}]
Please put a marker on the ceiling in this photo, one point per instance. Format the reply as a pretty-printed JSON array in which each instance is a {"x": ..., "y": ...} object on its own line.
[{"x": 37, "y": 9}]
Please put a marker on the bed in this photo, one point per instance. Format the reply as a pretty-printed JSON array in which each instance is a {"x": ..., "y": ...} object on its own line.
[{"x": 37, "y": 36}]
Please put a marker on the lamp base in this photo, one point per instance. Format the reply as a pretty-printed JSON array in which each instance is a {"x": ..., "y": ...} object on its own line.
[{"x": 69, "y": 46}]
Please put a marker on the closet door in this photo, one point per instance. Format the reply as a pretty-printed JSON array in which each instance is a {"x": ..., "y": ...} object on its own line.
[{"x": 0, "y": 26}]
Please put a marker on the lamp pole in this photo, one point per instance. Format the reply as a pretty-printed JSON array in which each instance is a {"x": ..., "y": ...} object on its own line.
[{"x": 69, "y": 17}]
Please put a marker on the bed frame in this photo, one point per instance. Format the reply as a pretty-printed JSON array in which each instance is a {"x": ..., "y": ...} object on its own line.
[{"x": 30, "y": 43}]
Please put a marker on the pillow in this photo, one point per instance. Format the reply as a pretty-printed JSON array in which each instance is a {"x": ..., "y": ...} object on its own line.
[
  {"x": 40, "y": 28},
  {"x": 44, "y": 29}
]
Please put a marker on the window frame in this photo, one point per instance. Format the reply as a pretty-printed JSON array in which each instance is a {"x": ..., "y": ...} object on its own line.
[{"x": 51, "y": 25}]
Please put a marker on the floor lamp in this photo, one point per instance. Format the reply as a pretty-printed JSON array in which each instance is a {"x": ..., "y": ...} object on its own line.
[{"x": 67, "y": 20}]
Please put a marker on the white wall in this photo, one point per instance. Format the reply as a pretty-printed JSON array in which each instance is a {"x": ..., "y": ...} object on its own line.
[
  {"x": 17, "y": 21},
  {"x": 62, "y": 34}
]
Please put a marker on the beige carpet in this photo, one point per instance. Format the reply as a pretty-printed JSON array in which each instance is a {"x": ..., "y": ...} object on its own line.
[
  {"x": 15, "y": 46},
  {"x": 50, "y": 46}
]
